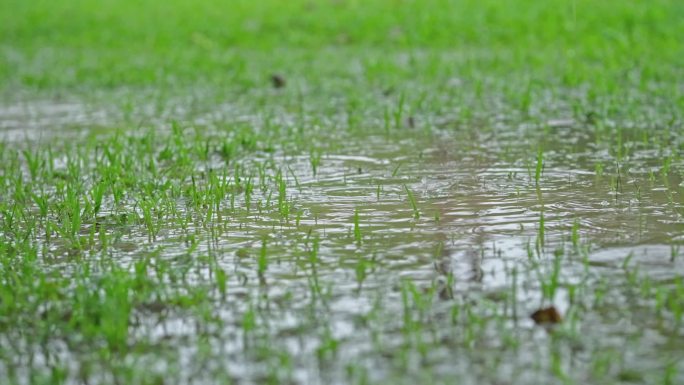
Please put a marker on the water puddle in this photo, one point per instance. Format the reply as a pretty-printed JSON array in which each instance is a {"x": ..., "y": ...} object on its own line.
[{"x": 403, "y": 256}]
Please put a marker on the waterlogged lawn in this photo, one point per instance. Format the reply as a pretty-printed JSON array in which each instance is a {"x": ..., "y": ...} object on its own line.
[{"x": 418, "y": 181}]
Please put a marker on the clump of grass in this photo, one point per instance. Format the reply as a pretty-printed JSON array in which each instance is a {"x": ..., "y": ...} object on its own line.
[
  {"x": 540, "y": 166},
  {"x": 357, "y": 227},
  {"x": 412, "y": 201}
]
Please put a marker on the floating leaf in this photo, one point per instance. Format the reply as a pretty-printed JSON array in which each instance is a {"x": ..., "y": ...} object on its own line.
[{"x": 548, "y": 315}]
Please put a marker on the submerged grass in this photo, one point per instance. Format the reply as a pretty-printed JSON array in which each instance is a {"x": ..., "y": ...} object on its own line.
[{"x": 169, "y": 213}]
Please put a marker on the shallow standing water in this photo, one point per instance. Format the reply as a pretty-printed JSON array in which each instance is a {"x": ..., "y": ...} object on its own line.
[{"x": 413, "y": 255}]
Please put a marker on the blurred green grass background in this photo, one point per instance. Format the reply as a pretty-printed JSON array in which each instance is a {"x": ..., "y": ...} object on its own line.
[{"x": 107, "y": 43}]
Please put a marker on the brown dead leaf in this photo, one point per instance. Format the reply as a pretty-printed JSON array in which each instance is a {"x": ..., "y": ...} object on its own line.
[
  {"x": 278, "y": 81},
  {"x": 547, "y": 315}
]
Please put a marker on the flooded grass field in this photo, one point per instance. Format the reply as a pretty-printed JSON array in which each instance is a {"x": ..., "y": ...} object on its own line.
[{"x": 332, "y": 192}]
